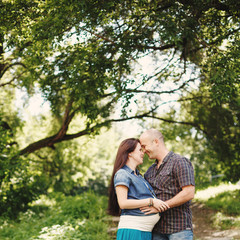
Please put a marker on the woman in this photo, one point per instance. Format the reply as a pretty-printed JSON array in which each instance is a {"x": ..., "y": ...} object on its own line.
[{"x": 129, "y": 192}]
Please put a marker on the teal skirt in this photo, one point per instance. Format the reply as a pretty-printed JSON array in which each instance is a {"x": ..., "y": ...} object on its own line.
[{"x": 132, "y": 234}]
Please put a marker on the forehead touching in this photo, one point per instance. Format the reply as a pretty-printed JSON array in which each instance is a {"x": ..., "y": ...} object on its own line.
[
  {"x": 138, "y": 145},
  {"x": 151, "y": 134},
  {"x": 137, "y": 148},
  {"x": 145, "y": 138}
]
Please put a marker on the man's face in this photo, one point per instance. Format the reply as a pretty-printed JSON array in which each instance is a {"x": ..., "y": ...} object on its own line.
[{"x": 148, "y": 146}]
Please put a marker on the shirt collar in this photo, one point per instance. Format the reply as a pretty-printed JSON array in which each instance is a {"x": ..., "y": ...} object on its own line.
[
  {"x": 166, "y": 158},
  {"x": 128, "y": 169}
]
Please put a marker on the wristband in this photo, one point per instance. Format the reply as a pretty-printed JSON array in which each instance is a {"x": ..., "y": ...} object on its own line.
[{"x": 150, "y": 202}]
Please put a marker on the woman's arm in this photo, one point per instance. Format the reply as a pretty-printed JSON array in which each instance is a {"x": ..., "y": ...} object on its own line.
[
  {"x": 182, "y": 197},
  {"x": 125, "y": 203}
]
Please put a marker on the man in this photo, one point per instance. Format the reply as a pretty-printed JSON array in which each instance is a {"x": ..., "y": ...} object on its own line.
[{"x": 172, "y": 178}]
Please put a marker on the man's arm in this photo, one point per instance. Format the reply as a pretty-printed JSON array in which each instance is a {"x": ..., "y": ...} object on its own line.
[
  {"x": 182, "y": 197},
  {"x": 185, "y": 195}
]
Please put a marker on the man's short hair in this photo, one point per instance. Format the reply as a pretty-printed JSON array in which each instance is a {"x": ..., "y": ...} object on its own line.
[{"x": 154, "y": 133}]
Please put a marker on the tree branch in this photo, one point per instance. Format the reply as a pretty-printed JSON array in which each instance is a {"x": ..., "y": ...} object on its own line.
[
  {"x": 50, "y": 141},
  {"x": 152, "y": 92},
  {"x": 179, "y": 122},
  {"x": 205, "y": 44},
  {"x": 100, "y": 36},
  {"x": 161, "y": 48},
  {"x": 9, "y": 66},
  {"x": 9, "y": 82},
  {"x": 66, "y": 121}
]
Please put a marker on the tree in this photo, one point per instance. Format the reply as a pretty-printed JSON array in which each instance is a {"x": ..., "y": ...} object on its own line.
[
  {"x": 80, "y": 54},
  {"x": 220, "y": 124}
]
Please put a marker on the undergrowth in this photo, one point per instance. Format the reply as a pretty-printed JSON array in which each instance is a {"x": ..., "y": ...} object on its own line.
[
  {"x": 225, "y": 201},
  {"x": 59, "y": 217}
]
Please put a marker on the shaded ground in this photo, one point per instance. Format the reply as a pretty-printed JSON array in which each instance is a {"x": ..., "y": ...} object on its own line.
[{"x": 202, "y": 225}]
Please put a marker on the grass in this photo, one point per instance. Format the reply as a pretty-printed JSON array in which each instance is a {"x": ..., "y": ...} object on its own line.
[
  {"x": 212, "y": 191},
  {"x": 224, "y": 199},
  {"x": 59, "y": 217},
  {"x": 227, "y": 202},
  {"x": 83, "y": 217},
  {"x": 228, "y": 206}
]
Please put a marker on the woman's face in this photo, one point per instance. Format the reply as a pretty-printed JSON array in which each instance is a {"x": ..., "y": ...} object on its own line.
[{"x": 137, "y": 154}]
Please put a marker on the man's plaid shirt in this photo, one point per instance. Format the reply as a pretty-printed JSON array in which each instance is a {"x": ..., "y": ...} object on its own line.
[{"x": 174, "y": 173}]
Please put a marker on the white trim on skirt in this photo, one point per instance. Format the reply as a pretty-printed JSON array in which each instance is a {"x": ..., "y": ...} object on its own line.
[{"x": 142, "y": 223}]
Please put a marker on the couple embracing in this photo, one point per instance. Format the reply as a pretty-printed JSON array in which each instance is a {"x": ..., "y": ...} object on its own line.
[{"x": 156, "y": 206}]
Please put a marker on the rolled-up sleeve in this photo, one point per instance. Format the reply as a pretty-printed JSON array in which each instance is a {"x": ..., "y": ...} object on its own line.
[
  {"x": 121, "y": 178},
  {"x": 185, "y": 172}
]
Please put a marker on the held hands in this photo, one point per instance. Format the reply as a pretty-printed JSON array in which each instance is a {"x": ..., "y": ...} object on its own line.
[
  {"x": 155, "y": 206},
  {"x": 160, "y": 205}
]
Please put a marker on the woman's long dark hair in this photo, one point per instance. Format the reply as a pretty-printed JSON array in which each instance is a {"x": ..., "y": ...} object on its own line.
[{"x": 127, "y": 146}]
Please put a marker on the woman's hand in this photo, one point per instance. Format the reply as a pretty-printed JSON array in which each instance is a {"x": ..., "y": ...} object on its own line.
[
  {"x": 160, "y": 205},
  {"x": 149, "y": 210}
]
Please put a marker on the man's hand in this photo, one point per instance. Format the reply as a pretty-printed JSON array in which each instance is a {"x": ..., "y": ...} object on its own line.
[{"x": 160, "y": 205}]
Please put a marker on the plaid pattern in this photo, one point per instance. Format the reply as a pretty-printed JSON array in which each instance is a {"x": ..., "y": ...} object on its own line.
[{"x": 174, "y": 173}]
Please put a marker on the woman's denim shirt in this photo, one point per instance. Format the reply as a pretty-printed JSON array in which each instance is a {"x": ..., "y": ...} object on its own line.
[{"x": 138, "y": 187}]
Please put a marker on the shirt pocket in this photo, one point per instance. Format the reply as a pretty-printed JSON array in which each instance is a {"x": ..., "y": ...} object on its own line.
[{"x": 165, "y": 178}]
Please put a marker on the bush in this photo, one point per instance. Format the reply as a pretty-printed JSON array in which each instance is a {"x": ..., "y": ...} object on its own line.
[
  {"x": 60, "y": 217},
  {"x": 87, "y": 205},
  {"x": 19, "y": 185},
  {"x": 16, "y": 197}
]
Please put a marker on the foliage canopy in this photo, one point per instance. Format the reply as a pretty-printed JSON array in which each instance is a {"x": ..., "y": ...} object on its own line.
[{"x": 83, "y": 56}]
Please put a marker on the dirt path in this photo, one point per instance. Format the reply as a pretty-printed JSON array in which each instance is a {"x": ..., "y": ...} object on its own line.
[{"x": 202, "y": 225}]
